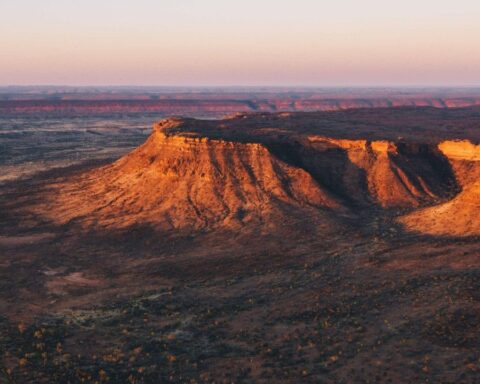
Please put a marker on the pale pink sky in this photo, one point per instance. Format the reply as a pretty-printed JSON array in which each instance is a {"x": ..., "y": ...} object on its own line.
[{"x": 220, "y": 42}]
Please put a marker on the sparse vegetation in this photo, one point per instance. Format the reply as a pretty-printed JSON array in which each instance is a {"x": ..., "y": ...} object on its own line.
[{"x": 310, "y": 283}]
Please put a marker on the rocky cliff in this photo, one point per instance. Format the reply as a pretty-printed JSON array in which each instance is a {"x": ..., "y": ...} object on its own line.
[
  {"x": 178, "y": 182},
  {"x": 460, "y": 215},
  {"x": 266, "y": 170}
]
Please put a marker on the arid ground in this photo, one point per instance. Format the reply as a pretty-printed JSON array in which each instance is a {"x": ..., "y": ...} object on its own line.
[{"x": 314, "y": 247}]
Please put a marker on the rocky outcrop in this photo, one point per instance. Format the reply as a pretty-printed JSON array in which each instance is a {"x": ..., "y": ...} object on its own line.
[
  {"x": 180, "y": 182},
  {"x": 460, "y": 150},
  {"x": 389, "y": 174},
  {"x": 459, "y": 216},
  {"x": 464, "y": 158},
  {"x": 246, "y": 172}
]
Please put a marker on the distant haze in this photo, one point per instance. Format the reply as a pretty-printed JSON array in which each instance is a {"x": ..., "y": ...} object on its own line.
[{"x": 220, "y": 42}]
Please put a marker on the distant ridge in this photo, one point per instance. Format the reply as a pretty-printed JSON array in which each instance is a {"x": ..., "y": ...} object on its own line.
[{"x": 191, "y": 104}]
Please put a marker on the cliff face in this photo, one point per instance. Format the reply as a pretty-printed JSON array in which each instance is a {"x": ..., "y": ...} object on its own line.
[
  {"x": 202, "y": 175},
  {"x": 461, "y": 150},
  {"x": 464, "y": 158},
  {"x": 389, "y": 174},
  {"x": 459, "y": 216}
]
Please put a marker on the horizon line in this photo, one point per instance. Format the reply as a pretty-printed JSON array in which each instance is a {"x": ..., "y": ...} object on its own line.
[{"x": 398, "y": 86}]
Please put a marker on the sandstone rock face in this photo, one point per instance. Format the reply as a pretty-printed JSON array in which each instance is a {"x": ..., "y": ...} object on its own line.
[
  {"x": 464, "y": 158},
  {"x": 263, "y": 171},
  {"x": 386, "y": 173},
  {"x": 191, "y": 182},
  {"x": 459, "y": 216},
  {"x": 462, "y": 150}
]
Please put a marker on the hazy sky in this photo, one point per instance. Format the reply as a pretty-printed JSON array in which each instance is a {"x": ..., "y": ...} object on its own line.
[{"x": 244, "y": 42}]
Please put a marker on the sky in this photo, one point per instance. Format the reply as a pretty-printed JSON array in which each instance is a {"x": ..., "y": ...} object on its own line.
[{"x": 244, "y": 42}]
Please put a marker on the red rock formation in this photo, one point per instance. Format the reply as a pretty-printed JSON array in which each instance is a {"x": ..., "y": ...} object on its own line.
[
  {"x": 265, "y": 170},
  {"x": 459, "y": 216},
  {"x": 387, "y": 173},
  {"x": 189, "y": 182}
]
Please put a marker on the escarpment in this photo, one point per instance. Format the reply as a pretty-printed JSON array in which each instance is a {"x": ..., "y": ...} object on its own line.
[
  {"x": 457, "y": 217},
  {"x": 192, "y": 182},
  {"x": 383, "y": 173},
  {"x": 460, "y": 215},
  {"x": 264, "y": 171},
  {"x": 201, "y": 103},
  {"x": 464, "y": 158}
]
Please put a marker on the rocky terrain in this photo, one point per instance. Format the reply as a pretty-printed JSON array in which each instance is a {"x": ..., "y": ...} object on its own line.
[
  {"x": 336, "y": 247},
  {"x": 222, "y": 107}
]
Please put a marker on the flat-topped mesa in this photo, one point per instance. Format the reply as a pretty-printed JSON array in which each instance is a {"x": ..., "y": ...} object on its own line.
[
  {"x": 189, "y": 128},
  {"x": 174, "y": 181},
  {"x": 262, "y": 170},
  {"x": 377, "y": 171}
]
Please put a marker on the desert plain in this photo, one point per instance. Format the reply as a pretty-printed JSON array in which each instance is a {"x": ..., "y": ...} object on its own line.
[{"x": 334, "y": 244}]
